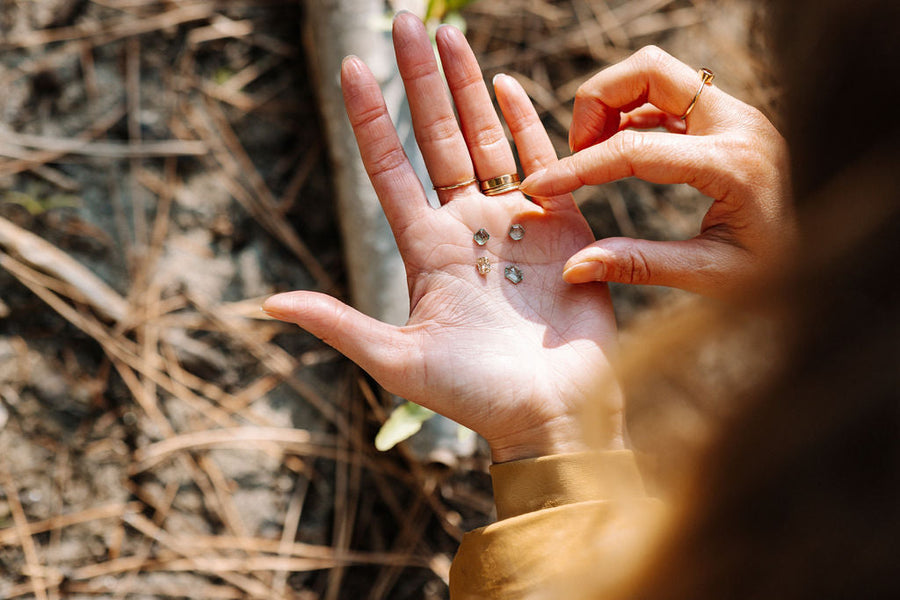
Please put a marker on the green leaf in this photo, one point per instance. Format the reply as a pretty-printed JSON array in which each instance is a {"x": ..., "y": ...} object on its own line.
[
  {"x": 26, "y": 201},
  {"x": 435, "y": 10},
  {"x": 36, "y": 205},
  {"x": 443, "y": 10},
  {"x": 404, "y": 422},
  {"x": 61, "y": 201},
  {"x": 222, "y": 75}
]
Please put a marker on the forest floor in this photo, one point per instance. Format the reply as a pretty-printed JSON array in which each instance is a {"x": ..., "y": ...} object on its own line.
[{"x": 162, "y": 170}]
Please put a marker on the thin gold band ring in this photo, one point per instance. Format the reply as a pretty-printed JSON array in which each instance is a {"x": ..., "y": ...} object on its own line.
[
  {"x": 706, "y": 77},
  {"x": 444, "y": 188}
]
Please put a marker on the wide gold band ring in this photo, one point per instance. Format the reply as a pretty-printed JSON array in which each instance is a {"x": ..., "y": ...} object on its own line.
[
  {"x": 444, "y": 188},
  {"x": 706, "y": 77},
  {"x": 500, "y": 185}
]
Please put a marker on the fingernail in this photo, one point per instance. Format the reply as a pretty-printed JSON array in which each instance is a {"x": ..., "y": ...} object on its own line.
[
  {"x": 584, "y": 272},
  {"x": 496, "y": 77},
  {"x": 532, "y": 180},
  {"x": 350, "y": 59},
  {"x": 276, "y": 306},
  {"x": 404, "y": 18}
]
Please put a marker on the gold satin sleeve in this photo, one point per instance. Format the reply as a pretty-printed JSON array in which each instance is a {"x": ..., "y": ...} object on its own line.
[{"x": 570, "y": 526}]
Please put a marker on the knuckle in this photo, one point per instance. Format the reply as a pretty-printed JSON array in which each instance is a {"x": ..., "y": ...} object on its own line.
[
  {"x": 584, "y": 93},
  {"x": 626, "y": 145},
  {"x": 651, "y": 56},
  {"x": 386, "y": 162},
  {"x": 745, "y": 154},
  {"x": 468, "y": 80},
  {"x": 632, "y": 266},
  {"x": 579, "y": 168},
  {"x": 485, "y": 135},
  {"x": 367, "y": 116},
  {"x": 418, "y": 70},
  {"x": 441, "y": 128},
  {"x": 640, "y": 268}
]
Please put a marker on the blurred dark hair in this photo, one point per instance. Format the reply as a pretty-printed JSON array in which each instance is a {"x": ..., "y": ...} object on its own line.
[
  {"x": 799, "y": 495},
  {"x": 839, "y": 70}
]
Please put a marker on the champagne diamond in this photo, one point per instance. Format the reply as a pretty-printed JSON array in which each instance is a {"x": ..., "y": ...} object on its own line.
[{"x": 483, "y": 265}]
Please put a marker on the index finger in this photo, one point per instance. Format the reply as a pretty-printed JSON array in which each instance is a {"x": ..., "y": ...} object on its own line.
[
  {"x": 652, "y": 156},
  {"x": 648, "y": 76}
]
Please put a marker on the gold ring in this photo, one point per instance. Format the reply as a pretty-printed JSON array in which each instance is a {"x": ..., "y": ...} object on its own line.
[
  {"x": 500, "y": 185},
  {"x": 706, "y": 77},
  {"x": 444, "y": 188}
]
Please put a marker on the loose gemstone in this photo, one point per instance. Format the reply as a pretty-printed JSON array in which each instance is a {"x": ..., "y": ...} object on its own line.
[
  {"x": 517, "y": 232},
  {"x": 481, "y": 237},
  {"x": 483, "y": 265},
  {"x": 514, "y": 274}
]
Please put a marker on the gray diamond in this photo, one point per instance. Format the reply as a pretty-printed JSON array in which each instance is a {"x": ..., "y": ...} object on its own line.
[
  {"x": 514, "y": 274},
  {"x": 481, "y": 237},
  {"x": 517, "y": 232}
]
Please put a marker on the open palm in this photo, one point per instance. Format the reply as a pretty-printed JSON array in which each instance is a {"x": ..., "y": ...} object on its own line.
[{"x": 516, "y": 362}]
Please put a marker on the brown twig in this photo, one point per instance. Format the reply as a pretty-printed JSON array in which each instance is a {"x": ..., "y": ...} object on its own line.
[
  {"x": 346, "y": 496},
  {"x": 411, "y": 531},
  {"x": 106, "y": 32},
  {"x": 41, "y": 157},
  {"x": 154, "y": 587},
  {"x": 59, "y": 147},
  {"x": 289, "y": 530},
  {"x": 216, "y": 565},
  {"x": 159, "y": 518},
  {"x": 221, "y": 488},
  {"x": 295, "y": 440},
  {"x": 133, "y": 108},
  {"x": 24, "y": 534},
  {"x": 39, "y": 253}
]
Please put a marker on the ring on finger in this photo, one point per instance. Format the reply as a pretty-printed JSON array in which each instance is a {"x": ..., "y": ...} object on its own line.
[
  {"x": 500, "y": 185},
  {"x": 444, "y": 188},
  {"x": 706, "y": 77}
]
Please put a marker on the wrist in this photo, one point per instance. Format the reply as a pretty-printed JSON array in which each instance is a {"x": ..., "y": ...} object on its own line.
[{"x": 562, "y": 435}]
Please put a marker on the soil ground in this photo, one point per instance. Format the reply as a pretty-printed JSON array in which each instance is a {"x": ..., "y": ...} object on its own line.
[{"x": 162, "y": 169}]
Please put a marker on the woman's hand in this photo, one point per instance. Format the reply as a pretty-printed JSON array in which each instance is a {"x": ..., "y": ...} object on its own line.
[
  {"x": 514, "y": 362},
  {"x": 730, "y": 152}
]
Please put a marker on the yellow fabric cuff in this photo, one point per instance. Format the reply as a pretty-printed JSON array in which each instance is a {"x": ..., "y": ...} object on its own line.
[
  {"x": 571, "y": 526},
  {"x": 525, "y": 486}
]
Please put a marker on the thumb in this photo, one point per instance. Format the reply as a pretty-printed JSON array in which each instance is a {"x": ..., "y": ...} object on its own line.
[
  {"x": 380, "y": 349},
  {"x": 704, "y": 266}
]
